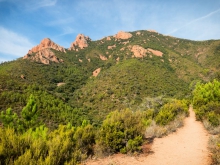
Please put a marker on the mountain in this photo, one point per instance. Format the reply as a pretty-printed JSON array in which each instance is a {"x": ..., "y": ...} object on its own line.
[{"x": 92, "y": 78}]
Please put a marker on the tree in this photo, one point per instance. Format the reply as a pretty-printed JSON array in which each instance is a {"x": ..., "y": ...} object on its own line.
[
  {"x": 8, "y": 118},
  {"x": 29, "y": 115}
]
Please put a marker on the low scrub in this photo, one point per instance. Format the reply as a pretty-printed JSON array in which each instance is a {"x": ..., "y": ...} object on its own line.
[
  {"x": 65, "y": 145},
  {"x": 214, "y": 146},
  {"x": 158, "y": 131}
]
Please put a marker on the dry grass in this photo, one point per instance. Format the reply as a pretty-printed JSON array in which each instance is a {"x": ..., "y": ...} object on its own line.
[
  {"x": 214, "y": 146},
  {"x": 212, "y": 130},
  {"x": 155, "y": 130}
]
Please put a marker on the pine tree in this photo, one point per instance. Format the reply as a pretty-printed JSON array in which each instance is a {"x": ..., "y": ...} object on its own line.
[
  {"x": 29, "y": 115},
  {"x": 8, "y": 118}
]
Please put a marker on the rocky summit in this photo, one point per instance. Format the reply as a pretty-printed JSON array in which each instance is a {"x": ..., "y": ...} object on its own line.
[
  {"x": 43, "y": 54},
  {"x": 80, "y": 42},
  {"x": 46, "y": 43}
]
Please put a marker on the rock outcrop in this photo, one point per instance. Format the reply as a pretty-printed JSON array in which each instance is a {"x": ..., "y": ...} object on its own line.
[
  {"x": 44, "y": 44},
  {"x": 103, "y": 58},
  {"x": 42, "y": 53},
  {"x": 123, "y": 35},
  {"x": 81, "y": 42},
  {"x": 155, "y": 52},
  {"x": 150, "y": 30},
  {"x": 96, "y": 72},
  {"x": 140, "y": 52},
  {"x": 111, "y": 47},
  {"x": 44, "y": 56}
]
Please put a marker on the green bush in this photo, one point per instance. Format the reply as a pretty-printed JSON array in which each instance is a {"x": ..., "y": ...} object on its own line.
[
  {"x": 122, "y": 131},
  {"x": 206, "y": 100},
  {"x": 65, "y": 145},
  {"x": 169, "y": 111}
]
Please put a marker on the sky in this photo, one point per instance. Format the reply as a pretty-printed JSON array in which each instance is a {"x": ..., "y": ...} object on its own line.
[{"x": 24, "y": 23}]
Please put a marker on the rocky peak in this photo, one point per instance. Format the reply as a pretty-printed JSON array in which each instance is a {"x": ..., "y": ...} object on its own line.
[
  {"x": 81, "y": 42},
  {"x": 43, "y": 53},
  {"x": 123, "y": 35},
  {"x": 44, "y": 44}
]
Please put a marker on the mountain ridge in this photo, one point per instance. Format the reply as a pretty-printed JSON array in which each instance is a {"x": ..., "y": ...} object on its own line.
[{"x": 115, "y": 72}]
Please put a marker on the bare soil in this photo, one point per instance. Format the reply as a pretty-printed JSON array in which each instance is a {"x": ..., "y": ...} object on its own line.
[{"x": 187, "y": 146}]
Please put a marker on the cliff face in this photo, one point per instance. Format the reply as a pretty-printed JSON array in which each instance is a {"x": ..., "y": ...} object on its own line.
[{"x": 80, "y": 42}]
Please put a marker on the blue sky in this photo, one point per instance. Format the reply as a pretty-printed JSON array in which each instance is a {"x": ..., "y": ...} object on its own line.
[{"x": 24, "y": 23}]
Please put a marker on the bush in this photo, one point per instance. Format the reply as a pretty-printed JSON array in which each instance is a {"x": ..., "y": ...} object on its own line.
[
  {"x": 206, "y": 100},
  {"x": 169, "y": 111},
  {"x": 214, "y": 146},
  {"x": 65, "y": 145},
  {"x": 121, "y": 131}
]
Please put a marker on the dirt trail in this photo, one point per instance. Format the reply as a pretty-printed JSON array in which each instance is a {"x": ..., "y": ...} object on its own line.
[{"x": 187, "y": 146}]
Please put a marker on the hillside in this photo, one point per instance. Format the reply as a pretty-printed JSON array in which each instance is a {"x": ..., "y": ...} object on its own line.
[{"x": 133, "y": 66}]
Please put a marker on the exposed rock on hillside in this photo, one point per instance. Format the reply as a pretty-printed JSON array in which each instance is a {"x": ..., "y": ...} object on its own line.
[
  {"x": 44, "y": 44},
  {"x": 108, "y": 38},
  {"x": 155, "y": 52},
  {"x": 81, "y": 42},
  {"x": 140, "y": 52},
  {"x": 44, "y": 56},
  {"x": 103, "y": 58},
  {"x": 123, "y": 35},
  {"x": 43, "y": 53},
  {"x": 138, "y": 33},
  {"x": 154, "y": 31},
  {"x": 110, "y": 47},
  {"x": 96, "y": 72}
]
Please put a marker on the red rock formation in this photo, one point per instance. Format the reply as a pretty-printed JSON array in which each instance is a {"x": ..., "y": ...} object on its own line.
[
  {"x": 108, "y": 38},
  {"x": 155, "y": 52},
  {"x": 103, "y": 58},
  {"x": 150, "y": 30},
  {"x": 46, "y": 43},
  {"x": 44, "y": 56},
  {"x": 123, "y": 35},
  {"x": 96, "y": 72},
  {"x": 138, "y": 51},
  {"x": 43, "y": 53},
  {"x": 110, "y": 47},
  {"x": 81, "y": 42}
]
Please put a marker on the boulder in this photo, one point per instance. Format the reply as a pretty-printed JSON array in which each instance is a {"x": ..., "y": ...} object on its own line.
[{"x": 123, "y": 35}]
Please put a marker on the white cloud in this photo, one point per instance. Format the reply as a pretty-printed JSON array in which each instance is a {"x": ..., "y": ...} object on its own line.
[
  {"x": 195, "y": 20},
  {"x": 45, "y": 3},
  {"x": 62, "y": 21},
  {"x": 13, "y": 44}
]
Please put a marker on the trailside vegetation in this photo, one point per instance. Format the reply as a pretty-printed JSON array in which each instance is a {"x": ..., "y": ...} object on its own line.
[{"x": 32, "y": 142}]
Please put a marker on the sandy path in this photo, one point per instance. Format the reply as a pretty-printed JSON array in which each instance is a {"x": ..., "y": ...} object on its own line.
[{"x": 187, "y": 146}]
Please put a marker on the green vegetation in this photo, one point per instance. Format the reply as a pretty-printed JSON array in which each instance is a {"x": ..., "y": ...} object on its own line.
[
  {"x": 60, "y": 113},
  {"x": 169, "y": 111},
  {"x": 206, "y": 100},
  {"x": 122, "y": 131}
]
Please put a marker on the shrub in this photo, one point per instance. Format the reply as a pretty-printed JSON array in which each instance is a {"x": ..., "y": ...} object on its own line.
[
  {"x": 65, "y": 145},
  {"x": 169, "y": 111},
  {"x": 214, "y": 146},
  {"x": 121, "y": 131}
]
